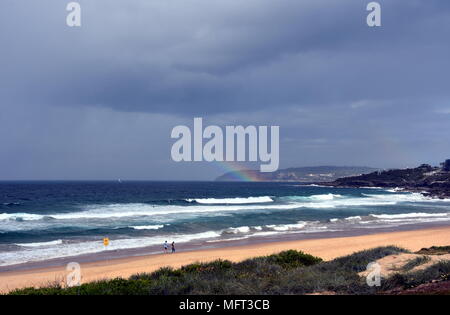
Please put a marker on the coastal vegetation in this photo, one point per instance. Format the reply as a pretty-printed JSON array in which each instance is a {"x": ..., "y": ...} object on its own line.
[
  {"x": 413, "y": 263},
  {"x": 288, "y": 272},
  {"x": 430, "y": 180}
]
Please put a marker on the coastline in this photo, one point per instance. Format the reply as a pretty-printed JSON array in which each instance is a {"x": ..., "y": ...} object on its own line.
[
  {"x": 325, "y": 247},
  {"x": 430, "y": 181}
]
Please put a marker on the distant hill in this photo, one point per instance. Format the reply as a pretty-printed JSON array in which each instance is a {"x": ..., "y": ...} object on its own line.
[
  {"x": 433, "y": 180},
  {"x": 314, "y": 174}
]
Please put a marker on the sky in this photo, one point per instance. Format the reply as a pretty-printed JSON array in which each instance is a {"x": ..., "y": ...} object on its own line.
[{"x": 99, "y": 101}]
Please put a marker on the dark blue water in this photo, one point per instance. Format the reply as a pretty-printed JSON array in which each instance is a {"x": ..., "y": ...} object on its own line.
[{"x": 42, "y": 220}]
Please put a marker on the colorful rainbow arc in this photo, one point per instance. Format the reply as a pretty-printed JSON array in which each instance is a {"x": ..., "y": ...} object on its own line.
[{"x": 238, "y": 171}]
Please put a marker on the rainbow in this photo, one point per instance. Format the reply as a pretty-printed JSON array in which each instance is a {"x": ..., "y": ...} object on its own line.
[{"x": 239, "y": 173}]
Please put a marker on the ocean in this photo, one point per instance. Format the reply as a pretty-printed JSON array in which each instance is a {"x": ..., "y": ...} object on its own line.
[{"x": 40, "y": 221}]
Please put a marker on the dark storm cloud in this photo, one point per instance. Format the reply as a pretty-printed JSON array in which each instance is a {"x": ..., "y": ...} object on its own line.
[
  {"x": 100, "y": 101},
  {"x": 194, "y": 56}
]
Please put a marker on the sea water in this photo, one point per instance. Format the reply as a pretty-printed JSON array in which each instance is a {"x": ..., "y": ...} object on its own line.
[{"x": 46, "y": 220}]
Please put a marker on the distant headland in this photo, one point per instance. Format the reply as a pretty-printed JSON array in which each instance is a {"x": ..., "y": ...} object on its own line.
[
  {"x": 429, "y": 180},
  {"x": 314, "y": 174}
]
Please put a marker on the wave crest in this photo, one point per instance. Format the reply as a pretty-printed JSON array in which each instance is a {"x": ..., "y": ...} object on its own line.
[
  {"x": 40, "y": 244},
  {"x": 234, "y": 201},
  {"x": 146, "y": 227}
]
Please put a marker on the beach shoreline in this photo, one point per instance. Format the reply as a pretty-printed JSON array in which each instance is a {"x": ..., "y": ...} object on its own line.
[
  {"x": 216, "y": 244},
  {"x": 412, "y": 238}
]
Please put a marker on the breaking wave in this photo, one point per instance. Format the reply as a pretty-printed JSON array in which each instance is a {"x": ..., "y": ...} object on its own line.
[
  {"x": 409, "y": 215},
  {"x": 248, "y": 200},
  {"x": 147, "y": 227},
  {"x": 60, "y": 249},
  {"x": 40, "y": 244},
  {"x": 322, "y": 201}
]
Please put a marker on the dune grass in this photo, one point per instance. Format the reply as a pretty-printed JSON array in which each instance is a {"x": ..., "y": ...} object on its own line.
[
  {"x": 435, "y": 250},
  {"x": 436, "y": 272},
  {"x": 413, "y": 263}
]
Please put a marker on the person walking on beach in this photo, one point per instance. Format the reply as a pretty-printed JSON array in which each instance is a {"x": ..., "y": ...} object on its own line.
[
  {"x": 173, "y": 247},
  {"x": 166, "y": 247}
]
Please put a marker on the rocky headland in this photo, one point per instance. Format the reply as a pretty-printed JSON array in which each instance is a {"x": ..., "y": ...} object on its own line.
[{"x": 433, "y": 181}]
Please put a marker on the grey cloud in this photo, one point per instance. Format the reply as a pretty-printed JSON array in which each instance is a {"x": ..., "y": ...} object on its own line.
[
  {"x": 100, "y": 101},
  {"x": 190, "y": 57}
]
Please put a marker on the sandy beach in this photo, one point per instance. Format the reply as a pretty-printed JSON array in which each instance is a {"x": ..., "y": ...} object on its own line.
[{"x": 327, "y": 249}]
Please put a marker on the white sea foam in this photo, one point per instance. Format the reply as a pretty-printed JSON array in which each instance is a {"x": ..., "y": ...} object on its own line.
[
  {"x": 286, "y": 227},
  {"x": 276, "y": 229},
  {"x": 82, "y": 248},
  {"x": 354, "y": 218},
  {"x": 411, "y": 197},
  {"x": 136, "y": 209},
  {"x": 324, "y": 201},
  {"x": 162, "y": 213},
  {"x": 58, "y": 248},
  {"x": 270, "y": 227},
  {"x": 324, "y": 197},
  {"x": 409, "y": 215},
  {"x": 377, "y": 220},
  {"x": 147, "y": 227},
  {"x": 248, "y": 200},
  {"x": 310, "y": 185},
  {"x": 237, "y": 230},
  {"x": 20, "y": 216},
  {"x": 129, "y": 214},
  {"x": 395, "y": 190},
  {"x": 41, "y": 244},
  {"x": 333, "y": 200}
]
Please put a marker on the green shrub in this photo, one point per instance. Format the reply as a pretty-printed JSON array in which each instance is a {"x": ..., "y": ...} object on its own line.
[
  {"x": 293, "y": 258},
  {"x": 214, "y": 266}
]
